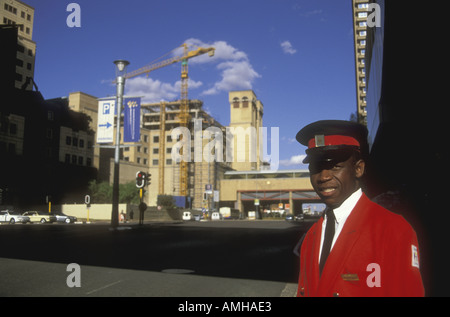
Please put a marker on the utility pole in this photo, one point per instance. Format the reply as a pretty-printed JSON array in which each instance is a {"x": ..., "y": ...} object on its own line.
[{"x": 121, "y": 66}]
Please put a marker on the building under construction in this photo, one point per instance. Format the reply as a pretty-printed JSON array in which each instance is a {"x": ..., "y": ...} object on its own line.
[{"x": 159, "y": 121}]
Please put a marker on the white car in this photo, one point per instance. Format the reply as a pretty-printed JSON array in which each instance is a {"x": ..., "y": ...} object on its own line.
[
  {"x": 215, "y": 216},
  {"x": 187, "y": 216},
  {"x": 12, "y": 217}
]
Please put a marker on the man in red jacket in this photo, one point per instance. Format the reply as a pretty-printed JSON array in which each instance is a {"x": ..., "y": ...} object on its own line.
[{"x": 358, "y": 248}]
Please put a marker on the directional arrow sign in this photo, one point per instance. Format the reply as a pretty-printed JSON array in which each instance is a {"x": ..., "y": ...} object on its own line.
[
  {"x": 107, "y": 125},
  {"x": 105, "y": 120}
]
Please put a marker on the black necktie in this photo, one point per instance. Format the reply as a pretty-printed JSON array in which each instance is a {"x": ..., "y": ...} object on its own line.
[{"x": 329, "y": 234}]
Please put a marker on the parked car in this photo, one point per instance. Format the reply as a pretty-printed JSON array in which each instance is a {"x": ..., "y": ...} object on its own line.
[
  {"x": 12, "y": 217},
  {"x": 37, "y": 216},
  {"x": 187, "y": 216},
  {"x": 65, "y": 218},
  {"x": 215, "y": 216},
  {"x": 198, "y": 217},
  {"x": 291, "y": 217}
]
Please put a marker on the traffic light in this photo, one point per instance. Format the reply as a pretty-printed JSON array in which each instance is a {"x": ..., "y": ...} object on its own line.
[
  {"x": 149, "y": 178},
  {"x": 140, "y": 179}
]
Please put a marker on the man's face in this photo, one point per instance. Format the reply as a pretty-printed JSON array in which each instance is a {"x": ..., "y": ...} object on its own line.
[{"x": 334, "y": 181}]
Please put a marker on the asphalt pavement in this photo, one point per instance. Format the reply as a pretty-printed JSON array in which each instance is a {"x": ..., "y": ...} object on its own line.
[{"x": 171, "y": 259}]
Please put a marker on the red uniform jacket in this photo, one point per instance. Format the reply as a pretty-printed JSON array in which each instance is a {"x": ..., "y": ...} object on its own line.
[{"x": 376, "y": 254}]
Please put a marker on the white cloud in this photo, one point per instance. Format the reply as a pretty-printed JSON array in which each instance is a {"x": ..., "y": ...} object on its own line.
[
  {"x": 287, "y": 48},
  {"x": 236, "y": 73},
  {"x": 295, "y": 160},
  {"x": 155, "y": 90}
]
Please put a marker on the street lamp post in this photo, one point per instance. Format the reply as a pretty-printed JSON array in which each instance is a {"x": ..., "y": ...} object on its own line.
[{"x": 121, "y": 70}]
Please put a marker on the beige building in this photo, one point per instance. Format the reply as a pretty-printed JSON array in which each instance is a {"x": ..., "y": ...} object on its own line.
[
  {"x": 87, "y": 104},
  {"x": 75, "y": 147},
  {"x": 268, "y": 191},
  {"x": 14, "y": 12},
  {"x": 360, "y": 13},
  {"x": 246, "y": 116},
  {"x": 212, "y": 152}
]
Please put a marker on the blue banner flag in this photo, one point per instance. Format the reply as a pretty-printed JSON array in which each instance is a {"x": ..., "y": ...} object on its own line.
[{"x": 132, "y": 120}]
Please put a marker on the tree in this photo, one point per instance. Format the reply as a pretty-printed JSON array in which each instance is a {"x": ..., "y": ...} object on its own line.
[
  {"x": 101, "y": 193},
  {"x": 166, "y": 201},
  {"x": 128, "y": 193}
]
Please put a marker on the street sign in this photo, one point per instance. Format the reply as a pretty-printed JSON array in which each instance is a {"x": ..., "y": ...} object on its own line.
[
  {"x": 105, "y": 124},
  {"x": 87, "y": 199},
  {"x": 132, "y": 120}
]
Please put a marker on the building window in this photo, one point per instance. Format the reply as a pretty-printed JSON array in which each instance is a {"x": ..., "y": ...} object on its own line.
[
  {"x": 74, "y": 159},
  {"x": 363, "y": 6},
  {"x": 81, "y": 143},
  {"x": 68, "y": 140},
  {"x": 362, "y": 15},
  {"x": 12, "y": 129},
  {"x": 155, "y": 162},
  {"x": 67, "y": 158},
  {"x": 10, "y": 9},
  {"x": 80, "y": 160},
  {"x": 88, "y": 161},
  {"x": 169, "y": 162},
  {"x": 235, "y": 102},
  {"x": 156, "y": 139},
  {"x": 49, "y": 133},
  {"x": 155, "y": 150},
  {"x": 245, "y": 102},
  {"x": 75, "y": 141}
]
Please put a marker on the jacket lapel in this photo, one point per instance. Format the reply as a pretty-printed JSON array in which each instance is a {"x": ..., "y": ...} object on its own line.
[
  {"x": 312, "y": 267},
  {"x": 344, "y": 245}
]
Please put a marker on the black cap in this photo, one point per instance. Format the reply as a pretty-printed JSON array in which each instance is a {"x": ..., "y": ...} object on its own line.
[{"x": 329, "y": 139}]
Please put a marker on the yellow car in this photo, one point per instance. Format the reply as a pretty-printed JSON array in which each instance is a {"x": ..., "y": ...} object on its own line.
[{"x": 36, "y": 216}]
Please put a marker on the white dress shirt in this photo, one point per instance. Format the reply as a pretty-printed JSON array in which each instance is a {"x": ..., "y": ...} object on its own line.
[{"x": 341, "y": 213}]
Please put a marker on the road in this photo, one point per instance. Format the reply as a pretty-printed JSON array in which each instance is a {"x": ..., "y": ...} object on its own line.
[{"x": 190, "y": 259}]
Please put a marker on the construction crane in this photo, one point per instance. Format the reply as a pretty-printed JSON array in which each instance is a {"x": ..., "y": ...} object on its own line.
[{"x": 184, "y": 104}]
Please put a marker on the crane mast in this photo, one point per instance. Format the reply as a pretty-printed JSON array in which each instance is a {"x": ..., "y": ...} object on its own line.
[{"x": 184, "y": 106}]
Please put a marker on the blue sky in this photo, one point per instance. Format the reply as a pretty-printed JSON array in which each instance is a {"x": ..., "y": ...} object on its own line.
[{"x": 296, "y": 55}]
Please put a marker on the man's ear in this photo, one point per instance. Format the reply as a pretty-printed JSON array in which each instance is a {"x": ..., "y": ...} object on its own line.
[{"x": 360, "y": 167}]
